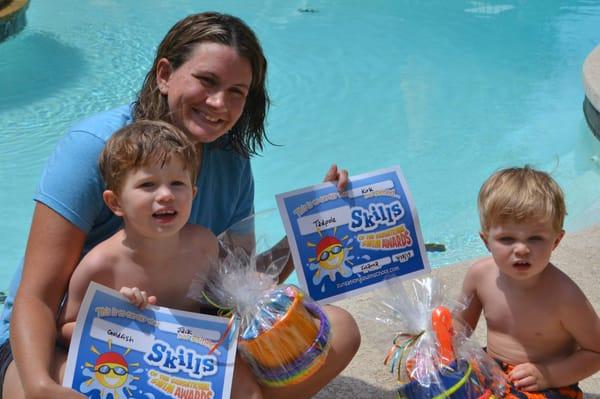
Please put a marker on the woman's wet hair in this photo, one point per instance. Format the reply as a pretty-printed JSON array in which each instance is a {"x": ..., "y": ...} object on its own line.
[{"x": 248, "y": 135}]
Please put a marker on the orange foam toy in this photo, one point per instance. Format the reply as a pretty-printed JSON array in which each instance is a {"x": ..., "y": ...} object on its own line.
[{"x": 441, "y": 320}]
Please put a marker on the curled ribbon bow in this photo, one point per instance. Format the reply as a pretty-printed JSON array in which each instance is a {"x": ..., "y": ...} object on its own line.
[{"x": 401, "y": 346}]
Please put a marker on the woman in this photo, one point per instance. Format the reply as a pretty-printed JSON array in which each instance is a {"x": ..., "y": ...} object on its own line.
[{"x": 208, "y": 78}]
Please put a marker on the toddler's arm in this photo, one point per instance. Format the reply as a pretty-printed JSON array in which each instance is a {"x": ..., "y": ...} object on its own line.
[
  {"x": 65, "y": 332},
  {"x": 579, "y": 318},
  {"x": 474, "y": 307},
  {"x": 89, "y": 269}
]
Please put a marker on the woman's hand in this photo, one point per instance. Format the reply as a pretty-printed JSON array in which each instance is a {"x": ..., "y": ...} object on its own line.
[
  {"x": 139, "y": 298},
  {"x": 337, "y": 175}
]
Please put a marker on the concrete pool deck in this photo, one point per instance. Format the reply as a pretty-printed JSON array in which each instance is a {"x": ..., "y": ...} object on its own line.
[{"x": 367, "y": 378}]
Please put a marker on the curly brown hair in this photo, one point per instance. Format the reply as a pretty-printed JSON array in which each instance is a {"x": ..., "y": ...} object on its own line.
[{"x": 140, "y": 143}]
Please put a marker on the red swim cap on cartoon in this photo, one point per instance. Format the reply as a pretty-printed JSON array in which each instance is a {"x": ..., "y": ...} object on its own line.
[
  {"x": 325, "y": 243},
  {"x": 111, "y": 357}
]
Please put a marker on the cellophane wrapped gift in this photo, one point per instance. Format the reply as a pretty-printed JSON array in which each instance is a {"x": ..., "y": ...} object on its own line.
[
  {"x": 432, "y": 354},
  {"x": 283, "y": 334}
]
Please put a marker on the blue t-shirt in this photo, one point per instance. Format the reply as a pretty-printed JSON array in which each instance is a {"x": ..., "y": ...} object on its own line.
[{"x": 72, "y": 186}]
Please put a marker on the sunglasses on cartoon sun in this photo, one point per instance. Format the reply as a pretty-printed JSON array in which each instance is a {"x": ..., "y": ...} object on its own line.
[
  {"x": 327, "y": 253},
  {"x": 105, "y": 369}
]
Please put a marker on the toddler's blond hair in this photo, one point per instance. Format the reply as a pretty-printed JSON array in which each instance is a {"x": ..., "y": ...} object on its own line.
[{"x": 521, "y": 194}]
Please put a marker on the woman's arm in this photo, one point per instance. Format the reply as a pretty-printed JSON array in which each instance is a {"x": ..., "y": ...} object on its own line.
[{"x": 53, "y": 250}]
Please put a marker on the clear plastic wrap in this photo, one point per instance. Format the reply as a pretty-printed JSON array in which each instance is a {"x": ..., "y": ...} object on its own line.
[
  {"x": 283, "y": 335},
  {"x": 433, "y": 356}
]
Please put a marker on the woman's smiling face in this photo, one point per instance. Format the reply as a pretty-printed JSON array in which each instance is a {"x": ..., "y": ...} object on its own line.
[{"x": 207, "y": 93}]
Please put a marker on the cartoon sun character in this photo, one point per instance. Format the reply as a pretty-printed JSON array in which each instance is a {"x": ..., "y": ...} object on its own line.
[
  {"x": 331, "y": 258},
  {"x": 110, "y": 374},
  {"x": 111, "y": 370}
]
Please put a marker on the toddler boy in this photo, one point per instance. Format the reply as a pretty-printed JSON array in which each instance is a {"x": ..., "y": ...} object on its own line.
[
  {"x": 149, "y": 170},
  {"x": 540, "y": 326}
]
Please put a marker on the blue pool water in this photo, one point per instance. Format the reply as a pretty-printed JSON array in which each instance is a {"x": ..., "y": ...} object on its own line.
[{"x": 449, "y": 90}]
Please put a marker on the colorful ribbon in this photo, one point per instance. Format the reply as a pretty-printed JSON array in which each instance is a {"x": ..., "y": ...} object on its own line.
[
  {"x": 224, "y": 312},
  {"x": 398, "y": 352}
]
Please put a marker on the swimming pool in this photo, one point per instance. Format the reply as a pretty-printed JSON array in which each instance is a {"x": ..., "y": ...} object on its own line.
[{"x": 449, "y": 90}]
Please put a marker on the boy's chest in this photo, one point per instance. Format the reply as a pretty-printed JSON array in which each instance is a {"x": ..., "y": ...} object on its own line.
[
  {"x": 170, "y": 286},
  {"x": 172, "y": 291},
  {"x": 528, "y": 318}
]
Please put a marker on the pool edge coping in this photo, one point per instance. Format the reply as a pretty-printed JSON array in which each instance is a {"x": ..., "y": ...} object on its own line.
[
  {"x": 12, "y": 8},
  {"x": 591, "y": 86}
]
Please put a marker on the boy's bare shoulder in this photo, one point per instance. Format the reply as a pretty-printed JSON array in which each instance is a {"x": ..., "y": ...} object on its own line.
[
  {"x": 481, "y": 268},
  {"x": 563, "y": 286},
  {"x": 102, "y": 257},
  {"x": 201, "y": 238},
  {"x": 98, "y": 265},
  {"x": 479, "y": 275}
]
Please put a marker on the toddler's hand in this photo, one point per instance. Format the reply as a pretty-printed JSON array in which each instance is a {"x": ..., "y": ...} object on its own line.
[
  {"x": 139, "y": 298},
  {"x": 529, "y": 377}
]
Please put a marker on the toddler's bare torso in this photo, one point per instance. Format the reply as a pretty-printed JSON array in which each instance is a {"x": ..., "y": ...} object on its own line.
[{"x": 523, "y": 322}]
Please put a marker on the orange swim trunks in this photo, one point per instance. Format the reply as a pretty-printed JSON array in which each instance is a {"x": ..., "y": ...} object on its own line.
[{"x": 570, "y": 392}]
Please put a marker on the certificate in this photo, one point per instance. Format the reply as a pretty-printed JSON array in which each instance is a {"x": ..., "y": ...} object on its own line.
[
  {"x": 120, "y": 351},
  {"x": 344, "y": 244}
]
